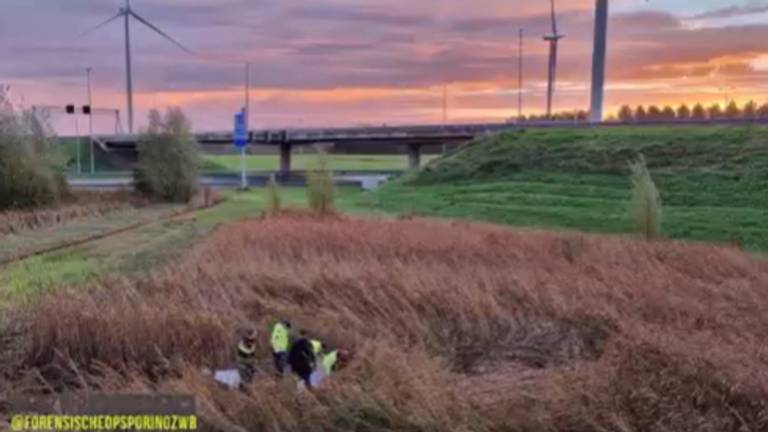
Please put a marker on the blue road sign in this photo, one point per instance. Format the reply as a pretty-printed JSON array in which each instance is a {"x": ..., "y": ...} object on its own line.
[{"x": 241, "y": 134}]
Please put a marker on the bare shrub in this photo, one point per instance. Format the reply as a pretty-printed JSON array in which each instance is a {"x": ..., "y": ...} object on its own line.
[
  {"x": 30, "y": 173},
  {"x": 321, "y": 192},
  {"x": 274, "y": 199},
  {"x": 645, "y": 208},
  {"x": 168, "y": 158}
]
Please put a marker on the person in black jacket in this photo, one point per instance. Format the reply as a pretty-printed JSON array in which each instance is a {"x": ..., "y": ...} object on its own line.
[{"x": 302, "y": 358}]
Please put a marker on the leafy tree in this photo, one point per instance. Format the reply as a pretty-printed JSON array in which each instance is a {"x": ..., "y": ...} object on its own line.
[
  {"x": 714, "y": 111},
  {"x": 168, "y": 158},
  {"x": 750, "y": 109},
  {"x": 641, "y": 114},
  {"x": 698, "y": 112},
  {"x": 683, "y": 112},
  {"x": 668, "y": 113},
  {"x": 732, "y": 110},
  {"x": 626, "y": 114},
  {"x": 654, "y": 113},
  {"x": 762, "y": 112}
]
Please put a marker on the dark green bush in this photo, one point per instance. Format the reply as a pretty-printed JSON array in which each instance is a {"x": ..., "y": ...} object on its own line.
[
  {"x": 168, "y": 158},
  {"x": 30, "y": 174}
]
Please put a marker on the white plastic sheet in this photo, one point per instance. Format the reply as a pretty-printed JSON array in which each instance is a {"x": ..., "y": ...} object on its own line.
[{"x": 229, "y": 377}]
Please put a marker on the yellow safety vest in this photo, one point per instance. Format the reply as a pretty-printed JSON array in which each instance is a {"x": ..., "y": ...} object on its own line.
[
  {"x": 329, "y": 361},
  {"x": 317, "y": 346},
  {"x": 246, "y": 352},
  {"x": 280, "y": 338}
]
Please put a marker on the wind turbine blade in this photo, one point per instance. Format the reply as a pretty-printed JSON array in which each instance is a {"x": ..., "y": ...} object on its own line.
[
  {"x": 160, "y": 32},
  {"x": 93, "y": 29}
]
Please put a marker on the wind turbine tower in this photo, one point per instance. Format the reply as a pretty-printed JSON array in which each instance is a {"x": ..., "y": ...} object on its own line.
[
  {"x": 553, "y": 40},
  {"x": 598, "y": 61},
  {"x": 127, "y": 13}
]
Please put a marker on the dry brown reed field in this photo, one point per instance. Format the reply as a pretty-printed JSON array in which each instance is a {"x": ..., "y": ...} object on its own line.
[
  {"x": 82, "y": 204},
  {"x": 455, "y": 327}
]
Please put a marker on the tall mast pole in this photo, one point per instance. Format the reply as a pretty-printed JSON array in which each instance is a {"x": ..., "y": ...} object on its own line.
[
  {"x": 128, "y": 73},
  {"x": 520, "y": 76},
  {"x": 247, "y": 96}
]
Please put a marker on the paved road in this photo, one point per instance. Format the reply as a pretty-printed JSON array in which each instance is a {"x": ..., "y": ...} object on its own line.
[{"x": 353, "y": 179}]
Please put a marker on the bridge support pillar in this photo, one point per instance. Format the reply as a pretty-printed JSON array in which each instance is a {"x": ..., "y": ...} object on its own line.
[
  {"x": 285, "y": 159},
  {"x": 414, "y": 156}
]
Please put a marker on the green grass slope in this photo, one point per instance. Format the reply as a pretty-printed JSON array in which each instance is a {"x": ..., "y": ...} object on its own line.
[{"x": 713, "y": 181}]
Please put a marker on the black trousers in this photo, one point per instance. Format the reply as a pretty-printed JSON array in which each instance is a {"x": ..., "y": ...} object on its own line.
[{"x": 281, "y": 360}]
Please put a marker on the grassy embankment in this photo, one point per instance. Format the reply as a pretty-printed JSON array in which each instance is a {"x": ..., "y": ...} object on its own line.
[{"x": 713, "y": 181}]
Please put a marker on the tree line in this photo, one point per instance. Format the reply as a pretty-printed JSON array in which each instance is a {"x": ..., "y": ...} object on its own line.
[
  {"x": 732, "y": 110},
  {"x": 640, "y": 113}
]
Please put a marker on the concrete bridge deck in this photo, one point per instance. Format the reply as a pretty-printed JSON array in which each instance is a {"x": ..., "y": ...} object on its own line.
[{"x": 409, "y": 138}]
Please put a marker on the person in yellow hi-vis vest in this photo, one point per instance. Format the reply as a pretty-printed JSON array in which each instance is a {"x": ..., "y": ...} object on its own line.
[
  {"x": 329, "y": 362},
  {"x": 281, "y": 342}
]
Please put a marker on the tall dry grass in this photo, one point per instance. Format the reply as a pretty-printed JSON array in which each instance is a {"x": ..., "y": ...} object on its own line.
[
  {"x": 79, "y": 205},
  {"x": 455, "y": 326}
]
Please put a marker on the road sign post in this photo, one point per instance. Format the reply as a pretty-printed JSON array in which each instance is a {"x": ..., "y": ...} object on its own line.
[{"x": 241, "y": 142}]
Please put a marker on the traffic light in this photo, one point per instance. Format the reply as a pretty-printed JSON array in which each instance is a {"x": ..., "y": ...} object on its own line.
[
  {"x": 70, "y": 109},
  {"x": 87, "y": 109}
]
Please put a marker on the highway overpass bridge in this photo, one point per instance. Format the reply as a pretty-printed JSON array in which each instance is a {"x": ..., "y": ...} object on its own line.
[{"x": 411, "y": 139}]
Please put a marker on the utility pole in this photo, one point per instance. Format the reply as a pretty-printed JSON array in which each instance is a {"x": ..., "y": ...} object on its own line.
[
  {"x": 520, "y": 76},
  {"x": 90, "y": 122}
]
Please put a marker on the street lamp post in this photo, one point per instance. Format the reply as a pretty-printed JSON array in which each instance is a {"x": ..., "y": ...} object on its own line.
[
  {"x": 247, "y": 115},
  {"x": 90, "y": 123}
]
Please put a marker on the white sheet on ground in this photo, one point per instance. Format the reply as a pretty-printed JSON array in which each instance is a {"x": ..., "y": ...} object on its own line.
[{"x": 229, "y": 377}]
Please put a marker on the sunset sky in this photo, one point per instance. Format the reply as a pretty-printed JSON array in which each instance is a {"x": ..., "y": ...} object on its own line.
[{"x": 354, "y": 62}]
